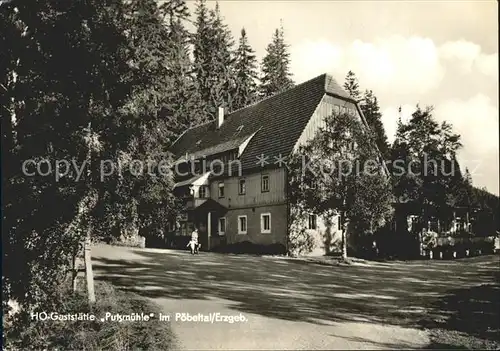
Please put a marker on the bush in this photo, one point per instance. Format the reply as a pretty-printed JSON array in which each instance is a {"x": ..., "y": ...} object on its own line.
[
  {"x": 300, "y": 240},
  {"x": 27, "y": 334},
  {"x": 129, "y": 241}
]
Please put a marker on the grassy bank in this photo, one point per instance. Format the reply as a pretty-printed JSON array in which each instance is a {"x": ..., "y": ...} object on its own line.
[{"x": 28, "y": 334}]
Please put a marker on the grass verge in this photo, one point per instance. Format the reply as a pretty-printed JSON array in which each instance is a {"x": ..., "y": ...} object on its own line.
[{"x": 27, "y": 334}]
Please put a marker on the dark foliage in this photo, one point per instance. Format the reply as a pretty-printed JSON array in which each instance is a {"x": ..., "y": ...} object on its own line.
[{"x": 28, "y": 334}]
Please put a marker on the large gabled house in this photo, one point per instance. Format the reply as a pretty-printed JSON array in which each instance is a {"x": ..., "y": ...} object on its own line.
[{"x": 231, "y": 171}]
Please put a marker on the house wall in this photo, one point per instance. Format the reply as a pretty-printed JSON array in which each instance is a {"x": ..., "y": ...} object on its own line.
[
  {"x": 253, "y": 196},
  {"x": 252, "y": 204},
  {"x": 326, "y": 107},
  {"x": 278, "y": 232},
  {"x": 327, "y": 236}
]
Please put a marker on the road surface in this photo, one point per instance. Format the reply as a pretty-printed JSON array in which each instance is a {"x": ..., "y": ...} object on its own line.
[{"x": 289, "y": 304}]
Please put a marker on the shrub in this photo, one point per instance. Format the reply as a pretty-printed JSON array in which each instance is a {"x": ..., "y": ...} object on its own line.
[
  {"x": 27, "y": 334},
  {"x": 130, "y": 241},
  {"x": 300, "y": 241}
]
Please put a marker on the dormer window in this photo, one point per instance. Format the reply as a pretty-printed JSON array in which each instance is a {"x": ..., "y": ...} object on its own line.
[{"x": 202, "y": 192}]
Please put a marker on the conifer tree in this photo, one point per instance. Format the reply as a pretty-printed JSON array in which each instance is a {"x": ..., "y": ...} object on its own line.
[
  {"x": 184, "y": 102},
  {"x": 201, "y": 51},
  {"x": 213, "y": 60},
  {"x": 246, "y": 73},
  {"x": 371, "y": 111},
  {"x": 351, "y": 85},
  {"x": 276, "y": 76},
  {"x": 222, "y": 63}
]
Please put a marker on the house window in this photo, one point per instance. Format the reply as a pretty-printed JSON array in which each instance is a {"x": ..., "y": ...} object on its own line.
[
  {"x": 242, "y": 224},
  {"x": 339, "y": 223},
  {"x": 222, "y": 225},
  {"x": 264, "y": 183},
  {"x": 203, "y": 192},
  {"x": 221, "y": 189},
  {"x": 336, "y": 109},
  {"x": 242, "y": 187},
  {"x": 265, "y": 223},
  {"x": 312, "y": 222}
]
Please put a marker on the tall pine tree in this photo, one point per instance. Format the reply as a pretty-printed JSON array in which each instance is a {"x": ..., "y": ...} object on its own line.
[
  {"x": 246, "y": 73},
  {"x": 213, "y": 60},
  {"x": 371, "y": 111},
  {"x": 184, "y": 100},
  {"x": 276, "y": 76},
  {"x": 201, "y": 42},
  {"x": 351, "y": 85},
  {"x": 222, "y": 58}
]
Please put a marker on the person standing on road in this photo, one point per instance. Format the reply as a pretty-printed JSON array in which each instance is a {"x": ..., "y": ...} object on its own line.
[
  {"x": 195, "y": 246},
  {"x": 194, "y": 235}
]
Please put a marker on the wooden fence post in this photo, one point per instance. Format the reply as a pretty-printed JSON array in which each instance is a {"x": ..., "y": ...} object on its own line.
[
  {"x": 74, "y": 275},
  {"x": 88, "y": 270}
]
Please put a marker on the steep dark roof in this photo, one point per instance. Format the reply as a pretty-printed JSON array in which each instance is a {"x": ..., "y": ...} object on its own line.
[{"x": 278, "y": 121}]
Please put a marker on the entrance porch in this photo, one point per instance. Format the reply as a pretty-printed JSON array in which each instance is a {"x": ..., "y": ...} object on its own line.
[{"x": 206, "y": 217}]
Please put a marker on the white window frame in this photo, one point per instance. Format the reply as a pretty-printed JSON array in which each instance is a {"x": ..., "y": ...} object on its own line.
[
  {"x": 244, "y": 186},
  {"x": 222, "y": 232},
  {"x": 204, "y": 193},
  {"x": 262, "y": 230},
  {"x": 264, "y": 176},
  {"x": 219, "y": 187},
  {"x": 246, "y": 225}
]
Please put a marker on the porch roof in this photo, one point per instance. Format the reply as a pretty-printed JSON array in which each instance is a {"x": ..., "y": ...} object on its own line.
[
  {"x": 210, "y": 205},
  {"x": 196, "y": 180}
]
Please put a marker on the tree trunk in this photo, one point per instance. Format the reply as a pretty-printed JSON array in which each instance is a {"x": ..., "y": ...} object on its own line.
[
  {"x": 344, "y": 244},
  {"x": 344, "y": 235}
]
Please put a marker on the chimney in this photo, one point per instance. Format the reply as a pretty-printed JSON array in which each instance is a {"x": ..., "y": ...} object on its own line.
[{"x": 220, "y": 119}]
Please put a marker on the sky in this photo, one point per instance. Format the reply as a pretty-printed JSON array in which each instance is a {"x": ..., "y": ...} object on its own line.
[{"x": 439, "y": 53}]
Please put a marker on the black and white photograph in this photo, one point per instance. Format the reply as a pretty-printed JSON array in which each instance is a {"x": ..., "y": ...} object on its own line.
[{"x": 250, "y": 175}]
